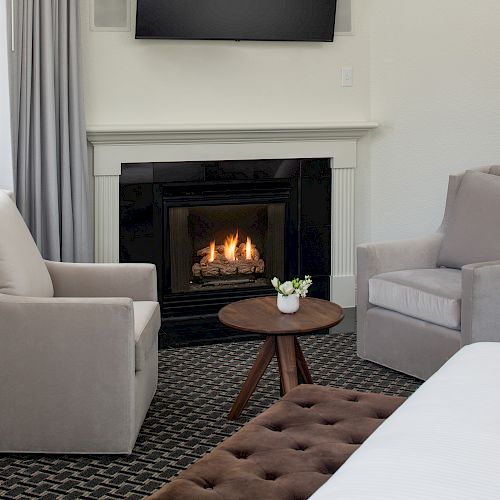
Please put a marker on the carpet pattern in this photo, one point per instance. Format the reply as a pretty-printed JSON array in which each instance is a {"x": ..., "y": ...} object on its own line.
[{"x": 188, "y": 418}]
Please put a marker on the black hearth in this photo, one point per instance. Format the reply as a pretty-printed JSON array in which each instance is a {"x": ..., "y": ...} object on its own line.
[{"x": 219, "y": 231}]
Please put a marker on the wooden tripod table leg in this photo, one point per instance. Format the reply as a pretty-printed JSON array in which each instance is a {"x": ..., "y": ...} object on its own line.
[
  {"x": 260, "y": 365},
  {"x": 302, "y": 364},
  {"x": 287, "y": 361}
]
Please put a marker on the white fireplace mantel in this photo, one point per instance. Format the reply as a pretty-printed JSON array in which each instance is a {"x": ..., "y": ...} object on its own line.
[{"x": 113, "y": 146}]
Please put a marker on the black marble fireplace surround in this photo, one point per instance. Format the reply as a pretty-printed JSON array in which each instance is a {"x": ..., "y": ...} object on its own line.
[{"x": 168, "y": 211}]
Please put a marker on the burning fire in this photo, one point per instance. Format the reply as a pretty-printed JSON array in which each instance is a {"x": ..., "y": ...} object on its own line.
[
  {"x": 248, "y": 249},
  {"x": 230, "y": 244},
  {"x": 230, "y": 249},
  {"x": 228, "y": 259},
  {"x": 211, "y": 256}
]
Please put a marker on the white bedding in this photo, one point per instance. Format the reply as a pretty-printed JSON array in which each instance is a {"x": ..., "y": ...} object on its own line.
[{"x": 443, "y": 443}]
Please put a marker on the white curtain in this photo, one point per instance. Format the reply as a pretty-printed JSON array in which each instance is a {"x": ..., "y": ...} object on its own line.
[{"x": 51, "y": 177}]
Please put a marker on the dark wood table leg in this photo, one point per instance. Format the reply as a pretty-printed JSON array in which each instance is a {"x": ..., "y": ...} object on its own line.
[
  {"x": 260, "y": 365},
  {"x": 304, "y": 372},
  {"x": 287, "y": 361}
]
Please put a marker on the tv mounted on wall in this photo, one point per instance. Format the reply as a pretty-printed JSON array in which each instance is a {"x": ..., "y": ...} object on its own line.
[{"x": 272, "y": 20}]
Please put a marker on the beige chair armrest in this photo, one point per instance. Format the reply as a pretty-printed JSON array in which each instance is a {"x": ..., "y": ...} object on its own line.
[
  {"x": 64, "y": 363},
  {"x": 376, "y": 258},
  {"x": 136, "y": 281},
  {"x": 481, "y": 302},
  {"x": 386, "y": 256}
]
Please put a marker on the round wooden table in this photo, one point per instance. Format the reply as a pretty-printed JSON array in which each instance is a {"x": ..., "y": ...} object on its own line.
[{"x": 261, "y": 315}]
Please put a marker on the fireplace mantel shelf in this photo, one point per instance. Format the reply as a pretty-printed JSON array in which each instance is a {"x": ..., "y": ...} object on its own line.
[{"x": 227, "y": 133}]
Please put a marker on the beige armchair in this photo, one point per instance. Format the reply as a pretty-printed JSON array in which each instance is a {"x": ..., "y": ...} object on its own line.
[
  {"x": 78, "y": 348},
  {"x": 419, "y": 301}
]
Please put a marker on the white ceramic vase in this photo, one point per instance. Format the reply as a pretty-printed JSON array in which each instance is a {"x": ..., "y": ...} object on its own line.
[{"x": 288, "y": 304}]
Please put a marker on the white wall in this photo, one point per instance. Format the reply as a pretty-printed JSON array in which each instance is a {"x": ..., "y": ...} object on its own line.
[
  {"x": 435, "y": 89},
  {"x": 6, "y": 180},
  {"x": 163, "y": 82},
  {"x": 427, "y": 71},
  {"x": 132, "y": 81}
]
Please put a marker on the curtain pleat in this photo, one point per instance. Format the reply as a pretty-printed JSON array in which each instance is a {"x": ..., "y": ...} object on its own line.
[{"x": 51, "y": 173}]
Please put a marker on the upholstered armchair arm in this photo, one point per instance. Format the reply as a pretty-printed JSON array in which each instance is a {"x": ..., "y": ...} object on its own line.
[
  {"x": 386, "y": 256},
  {"x": 136, "y": 281},
  {"x": 376, "y": 258},
  {"x": 481, "y": 302},
  {"x": 60, "y": 360}
]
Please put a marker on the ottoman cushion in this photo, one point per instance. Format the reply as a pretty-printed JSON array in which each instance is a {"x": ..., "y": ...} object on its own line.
[{"x": 288, "y": 451}]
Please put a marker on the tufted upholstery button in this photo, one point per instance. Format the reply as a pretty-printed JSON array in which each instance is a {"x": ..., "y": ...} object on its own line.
[
  {"x": 306, "y": 405},
  {"x": 330, "y": 432},
  {"x": 301, "y": 448},
  {"x": 329, "y": 422}
]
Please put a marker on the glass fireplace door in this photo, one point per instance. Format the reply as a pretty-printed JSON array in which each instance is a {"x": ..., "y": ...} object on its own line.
[{"x": 226, "y": 246}]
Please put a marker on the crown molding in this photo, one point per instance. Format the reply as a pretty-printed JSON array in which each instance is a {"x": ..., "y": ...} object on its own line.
[{"x": 227, "y": 133}]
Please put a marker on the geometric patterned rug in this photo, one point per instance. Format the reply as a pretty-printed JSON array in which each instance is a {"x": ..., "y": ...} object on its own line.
[{"x": 187, "y": 418}]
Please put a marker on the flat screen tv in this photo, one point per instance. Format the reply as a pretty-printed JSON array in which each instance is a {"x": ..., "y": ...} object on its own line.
[{"x": 273, "y": 20}]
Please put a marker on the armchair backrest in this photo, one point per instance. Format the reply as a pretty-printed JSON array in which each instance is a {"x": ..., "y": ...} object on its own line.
[
  {"x": 22, "y": 269},
  {"x": 454, "y": 184}
]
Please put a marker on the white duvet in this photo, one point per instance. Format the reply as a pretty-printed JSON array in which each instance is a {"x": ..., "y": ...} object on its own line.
[{"x": 443, "y": 443}]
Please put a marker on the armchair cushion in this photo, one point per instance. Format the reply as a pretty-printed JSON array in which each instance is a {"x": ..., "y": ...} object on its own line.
[
  {"x": 432, "y": 295},
  {"x": 473, "y": 231},
  {"x": 147, "y": 322},
  {"x": 22, "y": 269}
]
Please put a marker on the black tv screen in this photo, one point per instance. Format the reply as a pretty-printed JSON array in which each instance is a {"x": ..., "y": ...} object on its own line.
[{"x": 285, "y": 20}]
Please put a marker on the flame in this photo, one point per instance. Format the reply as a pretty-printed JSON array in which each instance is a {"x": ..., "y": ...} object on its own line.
[
  {"x": 230, "y": 244},
  {"x": 211, "y": 257},
  {"x": 248, "y": 249}
]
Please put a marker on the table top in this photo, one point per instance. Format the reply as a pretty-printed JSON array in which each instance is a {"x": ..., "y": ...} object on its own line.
[{"x": 261, "y": 315}]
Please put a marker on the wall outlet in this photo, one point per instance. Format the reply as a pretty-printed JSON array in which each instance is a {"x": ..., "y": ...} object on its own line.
[{"x": 347, "y": 77}]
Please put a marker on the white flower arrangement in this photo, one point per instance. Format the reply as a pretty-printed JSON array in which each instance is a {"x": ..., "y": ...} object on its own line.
[{"x": 295, "y": 287}]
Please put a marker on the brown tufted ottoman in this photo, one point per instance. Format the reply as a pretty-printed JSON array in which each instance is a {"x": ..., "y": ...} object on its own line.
[{"x": 288, "y": 451}]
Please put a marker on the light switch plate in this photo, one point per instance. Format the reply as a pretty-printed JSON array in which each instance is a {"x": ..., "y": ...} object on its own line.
[{"x": 347, "y": 77}]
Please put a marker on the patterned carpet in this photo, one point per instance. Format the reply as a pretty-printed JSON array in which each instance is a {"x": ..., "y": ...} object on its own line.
[{"x": 187, "y": 418}]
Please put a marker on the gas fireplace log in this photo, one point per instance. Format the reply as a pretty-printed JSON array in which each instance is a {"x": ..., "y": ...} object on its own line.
[
  {"x": 212, "y": 269},
  {"x": 213, "y": 262},
  {"x": 227, "y": 268},
  {"x": 224, "y": 267},
  {"x": 196, "y": 270},
  {"x": 203, "y": 251},
  {"x": 247, "y": 267}
]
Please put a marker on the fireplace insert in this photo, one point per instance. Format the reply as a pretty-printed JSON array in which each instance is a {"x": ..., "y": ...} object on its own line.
[
  {"x": 225, "y": 246},
  {"x": 219, "y": 231}
]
